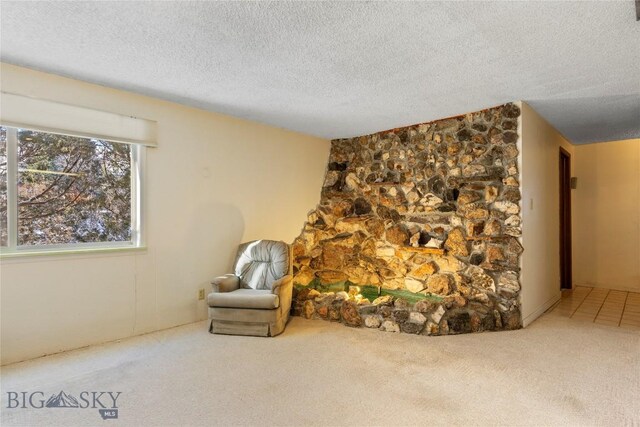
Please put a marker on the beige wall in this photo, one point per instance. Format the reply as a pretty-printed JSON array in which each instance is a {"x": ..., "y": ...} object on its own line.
[
  {"x": 213, "y": 182},
  {"x": 606, "y": 228},
  {"x": 540, "y": 213}
]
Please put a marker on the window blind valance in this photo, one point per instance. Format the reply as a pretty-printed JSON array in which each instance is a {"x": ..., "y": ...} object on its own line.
[{"x": 49, "y": 116}]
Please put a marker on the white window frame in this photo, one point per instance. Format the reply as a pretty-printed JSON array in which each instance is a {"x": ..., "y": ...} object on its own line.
[{"x": 138, "y": 156}]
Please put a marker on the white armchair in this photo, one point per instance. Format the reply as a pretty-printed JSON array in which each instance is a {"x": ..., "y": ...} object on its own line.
[{"x": 256, "y": 298}]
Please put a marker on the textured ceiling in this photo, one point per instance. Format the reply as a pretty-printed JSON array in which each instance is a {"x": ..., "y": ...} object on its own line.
[{"x": 348, "y": 68}]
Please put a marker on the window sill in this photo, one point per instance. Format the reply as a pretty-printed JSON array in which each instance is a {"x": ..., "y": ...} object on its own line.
[{"x": 68, "y": 252}]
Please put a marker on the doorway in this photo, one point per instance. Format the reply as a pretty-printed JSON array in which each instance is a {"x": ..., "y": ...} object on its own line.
[{"x": 565, "y": 220}]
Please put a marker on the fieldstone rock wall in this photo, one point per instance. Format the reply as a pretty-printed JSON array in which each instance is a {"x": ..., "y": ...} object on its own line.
[{"x": 422, "y": 220}]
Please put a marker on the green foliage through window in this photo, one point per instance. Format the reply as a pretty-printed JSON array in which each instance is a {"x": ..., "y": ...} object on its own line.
[
  {"x": 70, "y": 190},
  {"x": 3, "y": 187}
]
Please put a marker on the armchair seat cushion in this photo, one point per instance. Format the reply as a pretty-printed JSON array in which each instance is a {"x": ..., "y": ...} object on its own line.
[{"x": 244, "y": 298}]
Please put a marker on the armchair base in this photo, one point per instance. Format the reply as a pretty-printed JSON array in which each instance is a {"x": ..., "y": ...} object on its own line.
[{"x": 232, "y": 321}]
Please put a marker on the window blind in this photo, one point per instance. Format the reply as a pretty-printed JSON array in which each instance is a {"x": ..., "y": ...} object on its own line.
[{"x": 49, "y": 116}]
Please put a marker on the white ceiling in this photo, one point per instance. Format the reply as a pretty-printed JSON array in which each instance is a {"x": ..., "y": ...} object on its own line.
[{"x": 348, "y": 68}]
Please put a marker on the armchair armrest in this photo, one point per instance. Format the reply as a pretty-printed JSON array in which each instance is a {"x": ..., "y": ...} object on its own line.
[
  {"x": 226, "y": 283},
  {"x": 282, "y": 285},
  {"x": 284, "y": 289}
]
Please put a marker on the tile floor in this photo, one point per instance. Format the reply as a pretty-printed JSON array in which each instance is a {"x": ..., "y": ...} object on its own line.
[{"x": 602, "y": 306}]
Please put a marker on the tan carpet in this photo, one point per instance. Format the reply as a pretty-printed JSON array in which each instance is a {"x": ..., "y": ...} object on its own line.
[{"x": 556, "y": 372}]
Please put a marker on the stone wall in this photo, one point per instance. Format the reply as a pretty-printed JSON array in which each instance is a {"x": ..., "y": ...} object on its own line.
[{"x": 418, "y": 225}]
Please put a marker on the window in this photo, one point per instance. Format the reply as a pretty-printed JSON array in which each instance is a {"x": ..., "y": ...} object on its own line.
[
  {"x": 69, "y": 176},
  {"x": 3, "y": 187},
  {"x": 67, "y": 192}
]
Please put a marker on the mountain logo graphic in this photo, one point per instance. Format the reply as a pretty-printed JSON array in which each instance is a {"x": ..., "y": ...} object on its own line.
[{"x": 62, "y": 400}]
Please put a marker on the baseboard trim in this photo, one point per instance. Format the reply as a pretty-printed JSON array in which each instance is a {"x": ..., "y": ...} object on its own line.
[
  {"x": 540, "y": 310},
  {"x": 612, "y": 287}
]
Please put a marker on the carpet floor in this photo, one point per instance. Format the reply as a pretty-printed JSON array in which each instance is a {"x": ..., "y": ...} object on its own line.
[{"x": 555, "y": 372}]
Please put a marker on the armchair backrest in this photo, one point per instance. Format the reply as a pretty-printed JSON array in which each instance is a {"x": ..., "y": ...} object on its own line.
[{"x": 262, "y": 262}]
